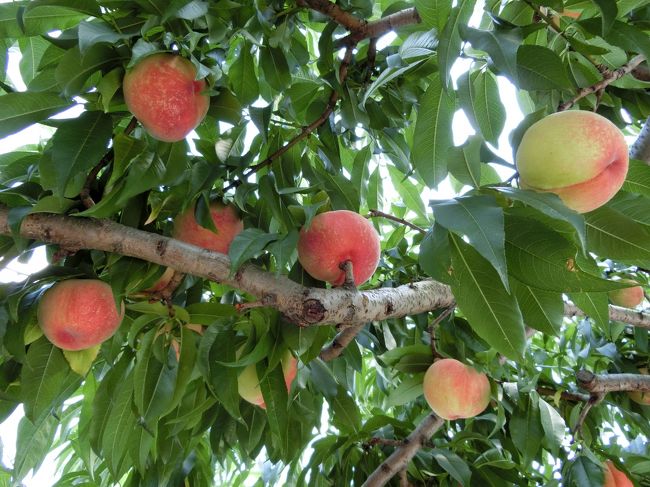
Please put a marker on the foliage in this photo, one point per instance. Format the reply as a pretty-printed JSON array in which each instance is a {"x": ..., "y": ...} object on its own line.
[{"x": 159, "y": 403}]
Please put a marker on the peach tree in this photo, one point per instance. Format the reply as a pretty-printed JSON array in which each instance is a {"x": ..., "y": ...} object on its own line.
[{"x": 408, "y": 113}]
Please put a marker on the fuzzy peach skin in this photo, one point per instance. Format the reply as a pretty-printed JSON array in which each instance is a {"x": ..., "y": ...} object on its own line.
[
  {"x": 455, "y": 390},
  {"x": 249, "y": 384},
  {"x": 578, "y": 155},
  {"x": 79, "y": 313},
  {"x": 640, "y": 397},
  {"x": 334, "y": 237},
  {"x": 614, "y": 477},
  {"x": 629, "y": 297},
  {"x": 162, "y": 93},
  {"x": 226, "y": 221}
]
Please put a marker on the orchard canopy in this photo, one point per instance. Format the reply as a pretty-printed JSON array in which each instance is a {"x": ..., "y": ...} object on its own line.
[{"x": 315, "y": 106}]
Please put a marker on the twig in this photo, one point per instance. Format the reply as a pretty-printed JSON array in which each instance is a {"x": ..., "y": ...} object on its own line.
[
  {"x": 608, "y": 78},
  {"x": 565, "y": 395},
  {"x": 334, "y": 12},
  {"x": 642, "y": 73},
  {"x": 381, "y": 214},
  {"x": 305, "y": 131},
  {"x": 341, "y": 340},
  {"x": 594, "y": 399},
  {"x": 348, "y": 268},
  {"x": 403, "y": 454},
  {"x": 380, "y": 27},
  {"x": 434, "y": 325},
  {"x": 604, "y": 383},
  {"x": 371, "y": 58}
]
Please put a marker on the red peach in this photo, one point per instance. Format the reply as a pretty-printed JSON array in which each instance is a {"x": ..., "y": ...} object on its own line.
[
  {"x": 162, "y": 92},
  {"x": 226, "y": 221},
  {"x": 335, "y": 237},
  {"x": 629, "y": 297},
  {"x": 249, "y": 385},
  {"x": 455, "y": 390},
  {"x": 614, "y": 477},
  {"x": 578, "y": 155},
  {"x": 79, "y": 313}
]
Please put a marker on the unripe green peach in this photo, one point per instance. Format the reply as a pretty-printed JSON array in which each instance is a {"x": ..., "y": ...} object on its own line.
[
  {"x": 249, "y": 385},
  {"x": 629, "y": 297},
  {"x": 225, "y": 219},
  {"x": 79, "y": 313},
  {"x": 162, "y": 92},
  {"x": 614, "y": 477},
  {"x": 455, "y": 390},
  {"x": 334, "y": 237},
  {"x": 578, "y": 155}
]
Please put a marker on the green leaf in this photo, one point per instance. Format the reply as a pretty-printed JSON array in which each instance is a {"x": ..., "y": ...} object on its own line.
[
  {"x": 74, "y": 68},
  {"x": 248, "y": 244},
  {"x": 346, "y": 415},
  {"x": 408, "y": 390},
  {"x": 555, "y": 429},
  {"x": 453, "y": 464},
  {"x": 450, "y": 38},
  {"x": 275, "y": 68},
  {"x": 411, "y": 195},
  {"x": 480, "y": 219},
  {"x": 153, "y": 381},
  {"x": 33, "y": 443},
  {"x": 526, "y": 428},
  {"x": 501, "y": 44},
  {"x": 434, "y": 13},
  {"x": 217, "y": 344},
  {"x": 609, "y": 13},
  {"x": 595, "y": 306},
  {"x": 492, "y": 312},
  {"x": 43, "y": 19},
  {"x": 549, "y": 204},
  {"x": 20, "y": 110},
  {"x": 243, "y": 79},
  {"x": 435, "y": 256},
  {"x": 542, "y": 258},
  {"x": 46, "y": 379},
  {"x": 582, "y": 471},
  {"x": 79, "y": 144},
  {"x": 638, "y": 178},
  {"x": 479, "y": 97},
  {"x": 433, "y": 138},
  {"x": 542, "y": 310},
  {"x": 32, "y": 50},
  {"x": 276, "y": 398},
  {"x": 418, "y": 45},
  {"x": 81, "y": 360},
  {"x": 9, "y": 20},
  {"x": 612, "y": 234},
  {"x": 539, "y": 68},
  {"x": 465, "y": 162}
]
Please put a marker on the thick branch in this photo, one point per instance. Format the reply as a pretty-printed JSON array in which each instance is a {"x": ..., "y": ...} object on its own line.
[
  {"x": 608, "y": 78},
  {"x": 616, "y": 313},
  {"x": 334, "y": 12},
  {"x": 612, "y": 382},
  {"x": 302, "y": 305},
  {"x": 380, "y": 27},
  {"x": 640, "y": 150},
  {"x": 402, "y": 455}
]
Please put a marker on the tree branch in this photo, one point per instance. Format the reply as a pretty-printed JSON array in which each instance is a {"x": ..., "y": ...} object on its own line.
[
  {"x": 403, "y": 454},
  {"x": 616, "y": 313},
  {"x": 604, "y": 383},
  {"x": 334, "y": 12},
  {"x": 341, "y": 340},
  {"x": 378, "y": 213},
  {"x": 640, "y": 150},
  {"x": 608, "y": 78},
  {"x": 380, "y": 27}
]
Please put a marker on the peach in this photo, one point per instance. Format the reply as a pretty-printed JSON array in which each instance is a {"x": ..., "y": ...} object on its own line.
[
  {"x": 455, "y": 390},
  {"x": 578, "y": 155},
  {"x": 614, "y": 477},
  {"x": 629, "y": 297},
  {"x": 335, "y": 237},
  {"x": 641, "y": 397},
  {"x": 162, "y": 282},
  {"x": 249, "y": 384},
  {"x": 225, "y": 219},
  {"x": 162, "y": 92},
  {"x": 79, "y": 313}
]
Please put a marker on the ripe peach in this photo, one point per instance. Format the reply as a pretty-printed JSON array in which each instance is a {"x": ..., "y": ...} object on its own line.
[
  {"x": 162, "y": 92},
  {"x": 79, "y": 313},
  {"x": 578, "y": 155},
  {"x": 226, "y": 221},
  {"x": 455, "y": 390},
  {"x": 335, "y": 237},
  {"x": 249, "y": 384},
  {"x": 640, "y": 397},
  {"x": 629, "y": 297},
  {"x": 614, "y": 477}
]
